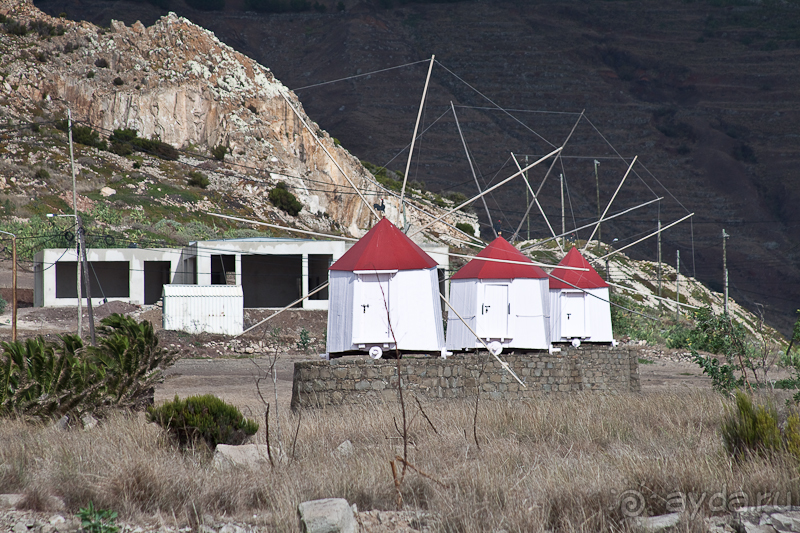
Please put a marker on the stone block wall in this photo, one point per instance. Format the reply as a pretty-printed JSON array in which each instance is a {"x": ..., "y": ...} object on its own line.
[{"x": 351, "y": 380}]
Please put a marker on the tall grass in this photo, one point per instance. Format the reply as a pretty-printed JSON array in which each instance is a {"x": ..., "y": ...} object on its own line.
[{"x": 551, "y": 464}]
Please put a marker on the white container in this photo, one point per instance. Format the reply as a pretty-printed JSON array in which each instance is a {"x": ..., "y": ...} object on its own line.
[{"x": 204, "y": 308}]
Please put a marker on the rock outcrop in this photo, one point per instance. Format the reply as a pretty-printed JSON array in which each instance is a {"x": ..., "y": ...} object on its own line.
[{"x": 177, "y": 82}]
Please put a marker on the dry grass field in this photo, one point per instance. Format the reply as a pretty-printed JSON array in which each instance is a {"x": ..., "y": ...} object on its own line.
[{"x": 579, "y": 463}]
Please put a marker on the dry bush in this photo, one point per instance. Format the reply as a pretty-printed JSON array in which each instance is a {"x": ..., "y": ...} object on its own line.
[{"x": 561, "y": 464}]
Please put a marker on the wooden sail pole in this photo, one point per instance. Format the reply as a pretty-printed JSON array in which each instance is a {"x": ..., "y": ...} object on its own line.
[
  {"x": 472, "y": 168},
  {"x": 536, "y": 200},
  {"x": 413, "y": 141},
  {"x": 487, "y": 191}
]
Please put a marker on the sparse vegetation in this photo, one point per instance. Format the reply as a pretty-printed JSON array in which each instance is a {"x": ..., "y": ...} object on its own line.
[
  {"x": 101, "y": 63},
  {"x": 15, "y": 28},
  {"x": 45, "y": 29},
  {"x": 125, "y": 141},
  {"x": 197, "y": 179},
  {"x": 283, "y": 199},
  {"x": 466, "y": 228},
  {"x": 525, "y": 478},
  {"x": 219, "y": 151},
  {"x": 118, "y": 81}
]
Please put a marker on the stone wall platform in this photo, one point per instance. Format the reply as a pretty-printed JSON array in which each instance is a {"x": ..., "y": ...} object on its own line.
[{"x": 359, "y": 379}]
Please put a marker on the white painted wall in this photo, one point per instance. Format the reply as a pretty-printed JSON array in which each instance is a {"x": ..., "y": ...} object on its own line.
[
  {"x": 596, "y": 314},
  {"x": 203, "y": 250},
  {"x": 190, "y": 265},
  {"x": 527, "y": 314},
  {"x": 414, "y": 311},
  {"x": 45, "y": 272},
  {"x": 203, "y": 308}
]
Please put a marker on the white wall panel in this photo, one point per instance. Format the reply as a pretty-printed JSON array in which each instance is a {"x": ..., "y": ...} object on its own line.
[{"x": 204, "y": 308}]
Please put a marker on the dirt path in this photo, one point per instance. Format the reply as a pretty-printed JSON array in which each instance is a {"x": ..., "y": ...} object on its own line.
[{"x": 233, "y": 380}]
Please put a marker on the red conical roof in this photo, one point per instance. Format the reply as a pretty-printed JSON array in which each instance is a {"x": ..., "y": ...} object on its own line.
[
  {"x": 499, "y": 249},
  {"x": 578, "y": 278},
  {"x": 384, "y": 247}
]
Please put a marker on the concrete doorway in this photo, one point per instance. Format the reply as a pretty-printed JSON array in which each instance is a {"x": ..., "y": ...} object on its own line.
[{"x": 156, "y": 275}]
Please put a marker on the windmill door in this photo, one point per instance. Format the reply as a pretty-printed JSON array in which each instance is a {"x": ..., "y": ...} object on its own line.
[
  {"x": 573, "y": 314},
  {"x": 493, "y": 312},
  {"x": 370, "y": 309}
]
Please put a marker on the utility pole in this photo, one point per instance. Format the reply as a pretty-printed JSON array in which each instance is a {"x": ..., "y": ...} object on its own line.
[
  {"x": 659, "y": 265},
  {"x": 14, "y": 289},
  {"x": 88, "y": 280},
  {"x": 14, "y": 285},
  {"x": 678, "y": 286},
  {"x": 597, "y": 182},
  {"x": 725, "y": 268},
  {"x": 563, "y": 220},
  {"x": 75, "y": 214}
]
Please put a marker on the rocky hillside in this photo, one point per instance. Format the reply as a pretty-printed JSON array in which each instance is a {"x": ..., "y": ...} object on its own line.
[
  {"x": 170, "y": 124},
  {"x": 702, "y": 91}
]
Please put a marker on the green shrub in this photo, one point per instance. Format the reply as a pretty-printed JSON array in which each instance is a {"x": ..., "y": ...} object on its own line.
[
  {"x": 197, "y": 179},
  {"x": 751, "y": 429},
  {"x": 15, "y": 28},
  {"x": 42, "y": 174},
  {"x": 203, "y": 417},
  {"x": 219, "y": 152},
  {"x": 118, "y": 81},
  {"x": 128, "y": 353},
  {"x": 46, "y": 380},
  {"x": 90, "y": 74},
  {"x": 126, "y": 140},
  {"x": 469, "y": 229},
  {"x": 41, "y": 380},
  {"x": 87, "y": 136},
  {"x": 285, "y": 200},
  {"x": 97, "y": 520},
  {"x": 304, "y": 342},
  {"x": 45, "y": 29}
]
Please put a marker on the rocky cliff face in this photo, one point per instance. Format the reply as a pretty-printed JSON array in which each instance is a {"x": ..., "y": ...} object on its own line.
[{"x": 177, "y": 82}]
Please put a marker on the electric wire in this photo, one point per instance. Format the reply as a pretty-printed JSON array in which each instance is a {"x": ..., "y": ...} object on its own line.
[
  {"x": 495, "y": 104},
  {"x": 361, "y": 75}
]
